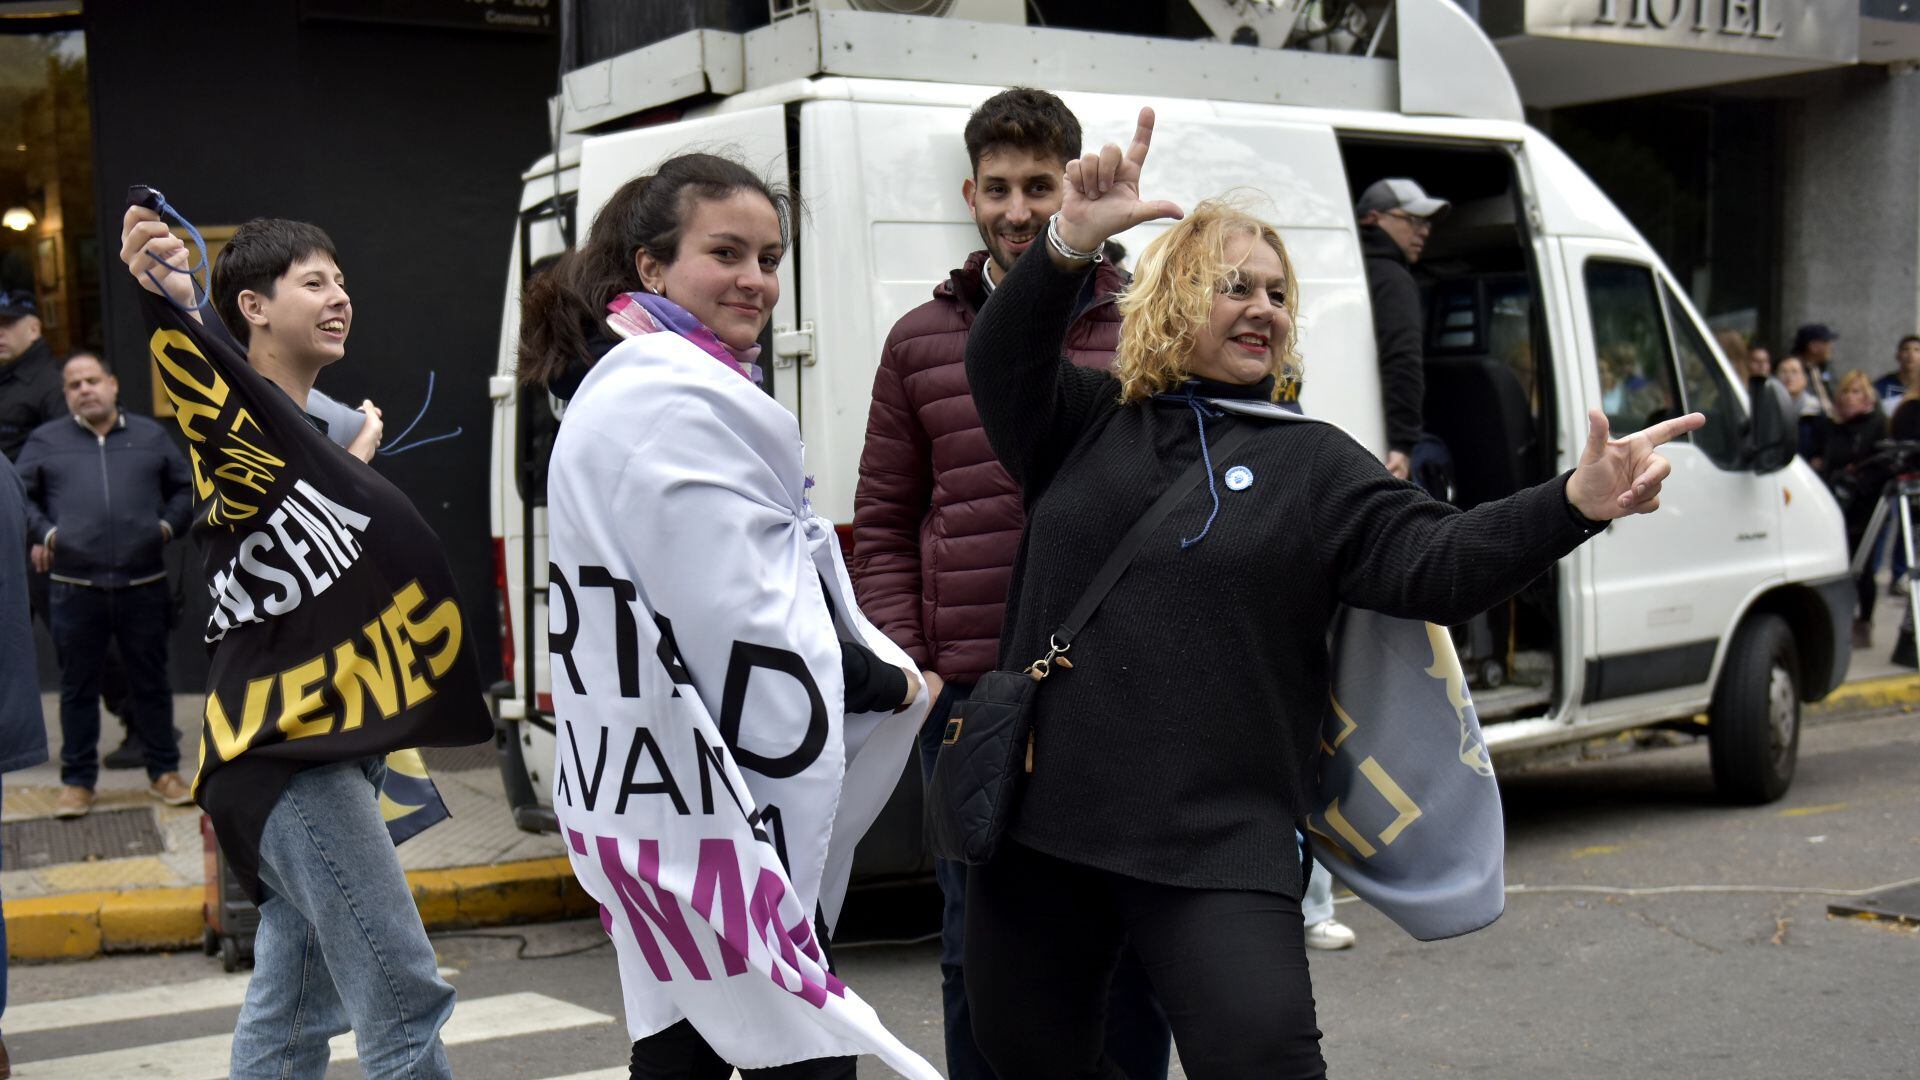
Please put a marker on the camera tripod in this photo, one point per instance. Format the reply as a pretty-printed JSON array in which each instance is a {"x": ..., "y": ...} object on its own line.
[{"x": 1899, "y": 492}]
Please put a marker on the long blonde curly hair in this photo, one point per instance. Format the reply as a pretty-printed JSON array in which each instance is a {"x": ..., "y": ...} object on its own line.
[{"x": 1171, "y": 297}]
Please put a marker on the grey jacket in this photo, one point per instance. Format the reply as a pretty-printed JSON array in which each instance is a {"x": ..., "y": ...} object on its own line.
[{"x": 23, "y": 734}]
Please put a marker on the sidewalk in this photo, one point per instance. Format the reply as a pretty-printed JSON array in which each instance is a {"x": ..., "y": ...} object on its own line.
[
  {"x": 1874, "y": 681},
  {"x": 130, "y": 876}
]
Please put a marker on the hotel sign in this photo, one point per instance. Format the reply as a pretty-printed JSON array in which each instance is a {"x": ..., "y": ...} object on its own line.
[
  {"x": 1816, "y": 30},
  {"x": 1572, "y": 52},
  {"x": 1738, "y": 18}
]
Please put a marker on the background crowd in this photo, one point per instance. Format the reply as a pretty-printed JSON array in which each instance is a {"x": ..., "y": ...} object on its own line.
[{"x": 1845, "y": 421}]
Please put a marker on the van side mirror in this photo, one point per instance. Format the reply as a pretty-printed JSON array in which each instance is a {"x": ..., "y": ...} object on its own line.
[{"x": 1773, "y": 434}]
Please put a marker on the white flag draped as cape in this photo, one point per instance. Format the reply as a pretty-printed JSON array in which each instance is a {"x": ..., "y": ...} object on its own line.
[{"x": 709, "y": 784}]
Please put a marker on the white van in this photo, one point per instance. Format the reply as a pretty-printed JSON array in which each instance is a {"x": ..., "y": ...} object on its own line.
[{"x": 1543, "y": 301}]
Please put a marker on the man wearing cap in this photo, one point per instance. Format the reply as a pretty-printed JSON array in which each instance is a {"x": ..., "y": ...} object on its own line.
[
  {"x": 30, "y": 393},
  {"x": 1396, "y": 216},
  {"x": 1813, "y": 344}
]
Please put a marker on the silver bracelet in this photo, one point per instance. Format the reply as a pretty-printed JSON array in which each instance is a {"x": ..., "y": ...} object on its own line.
[{"x": 1053, "y": 240}]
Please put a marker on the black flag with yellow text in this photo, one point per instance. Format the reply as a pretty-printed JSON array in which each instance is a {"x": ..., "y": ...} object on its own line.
[{"x": 336, "y": 633}]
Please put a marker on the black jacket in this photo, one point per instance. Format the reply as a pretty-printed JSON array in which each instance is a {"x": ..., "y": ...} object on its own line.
[
  {"x": 30, "y": 395},
  {"x": 1852, "y": 443},
  {"x": 107, "y": 496},
  {"x": 1397, "y": 337}
]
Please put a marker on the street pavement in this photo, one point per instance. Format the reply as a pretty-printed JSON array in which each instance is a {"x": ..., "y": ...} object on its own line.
[{"x": 1705, "y": 983}]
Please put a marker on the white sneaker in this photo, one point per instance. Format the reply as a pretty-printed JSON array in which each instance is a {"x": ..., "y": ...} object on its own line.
[{"x": 1329, "y": 935}]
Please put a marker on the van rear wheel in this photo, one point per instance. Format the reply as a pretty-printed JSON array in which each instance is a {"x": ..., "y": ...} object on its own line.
[{"x": 1753, "y": 736}]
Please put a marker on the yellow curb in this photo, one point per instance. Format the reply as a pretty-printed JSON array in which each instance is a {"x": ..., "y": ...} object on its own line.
[
  {"x": 518, "y": 892},
  {"x": 1884, "y": 693},
  {"x": 78, "y": 925},
  {"x": 437, "y": 894},
  {"x": 150, "y": 918},
  {"x": 54, "y": 927}
]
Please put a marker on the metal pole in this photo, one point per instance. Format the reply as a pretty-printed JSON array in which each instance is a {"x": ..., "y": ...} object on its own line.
[
  {"x": 1907, "y": 489},
  {"x": 1880, "y": 511},
  {"x": 1380, "y": 30}
]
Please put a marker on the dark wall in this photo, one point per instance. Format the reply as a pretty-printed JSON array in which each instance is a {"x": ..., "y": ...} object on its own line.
[
  {"x": 604, "y": 28},
  {"x": 405, "y": 144},
  {"x": 1700, "y": 177}
]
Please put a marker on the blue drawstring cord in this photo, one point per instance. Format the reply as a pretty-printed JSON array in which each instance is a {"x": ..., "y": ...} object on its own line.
[
  {"x": 1200, "y": 413},
  {"x": 206, "y": 297},
  {"x": 400, "y": 444}
]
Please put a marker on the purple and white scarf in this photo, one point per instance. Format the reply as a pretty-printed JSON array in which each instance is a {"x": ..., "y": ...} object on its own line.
[{"x": 636, "y": 313}]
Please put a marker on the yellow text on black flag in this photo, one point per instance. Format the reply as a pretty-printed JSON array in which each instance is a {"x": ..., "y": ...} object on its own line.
[{"x": 389, "y": 665}]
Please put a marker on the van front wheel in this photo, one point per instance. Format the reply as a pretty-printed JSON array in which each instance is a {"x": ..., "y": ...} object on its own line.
[{"x": 1753, "y": 737}]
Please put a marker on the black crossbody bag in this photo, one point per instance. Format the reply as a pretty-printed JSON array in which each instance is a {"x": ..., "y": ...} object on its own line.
[{"x": 988, "y": 744}]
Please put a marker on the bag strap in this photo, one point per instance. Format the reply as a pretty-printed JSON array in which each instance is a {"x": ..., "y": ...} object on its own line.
[{"x": 1136, "y": 537}]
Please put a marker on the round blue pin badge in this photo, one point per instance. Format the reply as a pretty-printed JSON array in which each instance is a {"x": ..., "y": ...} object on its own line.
[{"x": 1239, "y": 478}]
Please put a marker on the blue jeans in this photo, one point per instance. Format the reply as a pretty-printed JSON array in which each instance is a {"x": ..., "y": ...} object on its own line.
[
  {"x": 340, "y": 945},
  {"x": 1431, "y": 467},
  {"x": 83, "y": 621},
  {"x": 1138, "y": 1038}
]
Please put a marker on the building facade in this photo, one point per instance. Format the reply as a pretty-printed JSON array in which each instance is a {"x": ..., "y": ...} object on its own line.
[
  {"x": 1769, "y": 149},
  {"x": 400, "y": 128}
]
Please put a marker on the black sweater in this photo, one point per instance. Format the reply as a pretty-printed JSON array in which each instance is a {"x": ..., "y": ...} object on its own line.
[{"x": 1180, "y": 747}]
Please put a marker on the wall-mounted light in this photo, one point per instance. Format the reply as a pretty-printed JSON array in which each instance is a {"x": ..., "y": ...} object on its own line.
[{"x": 18, "y": 218}]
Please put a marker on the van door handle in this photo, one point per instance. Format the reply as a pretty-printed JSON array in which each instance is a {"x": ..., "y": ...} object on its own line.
[{"x": 790, "y": 345}]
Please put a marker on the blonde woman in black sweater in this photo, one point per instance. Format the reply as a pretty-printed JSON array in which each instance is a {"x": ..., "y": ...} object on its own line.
[{"x": 1174, "y": 761}]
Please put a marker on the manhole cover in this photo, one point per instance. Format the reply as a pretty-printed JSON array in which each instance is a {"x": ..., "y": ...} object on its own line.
[
  {"x": 1902, "y": 903},
  {"x": 113, "y": 835}
]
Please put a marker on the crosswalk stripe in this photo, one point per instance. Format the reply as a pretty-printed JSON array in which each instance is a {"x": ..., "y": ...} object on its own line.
[
  {"x": 144, "y": 1004},
  {"x": 206, "y": 1058},
  {"x": 219, "y": 992}
]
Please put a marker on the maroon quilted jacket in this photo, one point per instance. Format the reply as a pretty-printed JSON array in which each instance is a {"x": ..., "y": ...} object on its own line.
[{"x": 936, "y": 520}]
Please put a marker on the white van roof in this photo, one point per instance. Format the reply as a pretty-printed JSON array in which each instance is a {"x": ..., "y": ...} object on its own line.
[
  {"x": 1567, "y": 201},
  {"x": 1454, "y": 71}
]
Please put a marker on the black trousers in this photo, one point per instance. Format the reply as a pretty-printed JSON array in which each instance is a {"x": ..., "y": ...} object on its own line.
[
  {"x": 679, "y": 1053},
  {"x": 1137, "y": 1036},
  {"x": 1228, "y": 966},
  {"x": 84, "y": 620}
]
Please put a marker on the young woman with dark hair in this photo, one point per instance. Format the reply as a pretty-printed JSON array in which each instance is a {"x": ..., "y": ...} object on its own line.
[{"x": 677, "y": 483}]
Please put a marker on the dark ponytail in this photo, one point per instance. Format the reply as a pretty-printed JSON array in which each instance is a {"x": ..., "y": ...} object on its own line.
[{"x": 561, "y": 308}]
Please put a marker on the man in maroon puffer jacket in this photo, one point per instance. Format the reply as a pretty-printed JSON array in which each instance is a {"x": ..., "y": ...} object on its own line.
[{"x": 937, "y": 521}]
